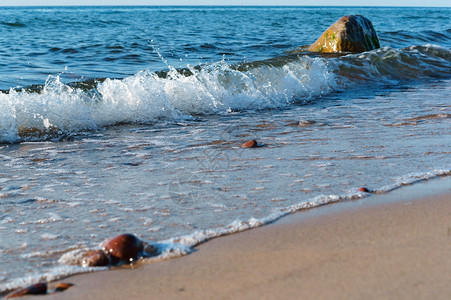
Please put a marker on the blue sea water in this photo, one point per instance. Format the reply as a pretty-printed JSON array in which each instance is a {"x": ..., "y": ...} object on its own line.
[{"x": 130, "y": 119}]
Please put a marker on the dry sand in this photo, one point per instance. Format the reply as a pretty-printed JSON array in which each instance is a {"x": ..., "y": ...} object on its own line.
[{"x": 391, "y": 246}]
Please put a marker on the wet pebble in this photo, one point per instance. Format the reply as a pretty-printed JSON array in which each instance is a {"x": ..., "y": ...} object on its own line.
[
  {"x": 124, "y": 247},
  {"x": 35, "y": 289},
  {"x": 250, "y": 144},
  {"x": 95, "y": 258},
  {"x": 364, "y": 189},
  {"x": 62, "y": 286},
  {"x": 305, "y": 123}
]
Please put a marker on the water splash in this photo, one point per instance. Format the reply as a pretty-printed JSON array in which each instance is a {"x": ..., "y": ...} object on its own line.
[{"x": 60, "y": 109}]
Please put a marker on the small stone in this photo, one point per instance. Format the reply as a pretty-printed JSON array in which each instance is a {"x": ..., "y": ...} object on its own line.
[
  {"x": 125, "y": 247},
  {"x": 35, "y": 289},
  {"x": 305, "y": 123},
  {"x": 364, "y": 189},
  {"x": 250, "y": 144},
  {"x": 62, "y": 286},
  {"x": 95, "y": 258}
]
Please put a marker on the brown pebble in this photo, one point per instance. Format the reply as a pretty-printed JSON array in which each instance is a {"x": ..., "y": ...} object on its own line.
[
  {"x": 95, "y": 258},
  {"x": 250, "y": 144},
  {"x": 62, "y": 286},
  {"x": 35, "y": 289},
  {"x": 364, "y": 189},
  {"x": 125, "y": 247}
]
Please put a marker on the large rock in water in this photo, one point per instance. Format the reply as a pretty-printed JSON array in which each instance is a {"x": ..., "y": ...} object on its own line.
[{"x": 349, "y": 34}]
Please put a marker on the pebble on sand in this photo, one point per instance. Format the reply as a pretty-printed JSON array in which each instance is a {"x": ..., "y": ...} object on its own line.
[
  {"x": 35, "y": 289},
  {"x": 95, "y": 258},
  {"x": 125, "y": 247},
  {"x": 62, "y": 286}
]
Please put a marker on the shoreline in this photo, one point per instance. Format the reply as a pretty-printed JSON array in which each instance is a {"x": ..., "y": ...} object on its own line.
[{"x": 392, "y": 245}]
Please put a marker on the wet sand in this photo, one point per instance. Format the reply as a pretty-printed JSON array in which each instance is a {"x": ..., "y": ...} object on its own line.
[{"x": 392, "y": 246}]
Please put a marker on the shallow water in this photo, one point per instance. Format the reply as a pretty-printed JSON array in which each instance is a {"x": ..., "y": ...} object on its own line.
[{"x": 160, "y": 157}]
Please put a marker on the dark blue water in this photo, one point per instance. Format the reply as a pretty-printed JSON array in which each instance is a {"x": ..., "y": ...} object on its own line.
[
  {"x": 130, "y": 119},
  {"x": 115, "y": 42}
]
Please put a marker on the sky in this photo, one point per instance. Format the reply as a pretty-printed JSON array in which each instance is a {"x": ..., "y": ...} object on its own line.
[{"x": 445, "y": 3}]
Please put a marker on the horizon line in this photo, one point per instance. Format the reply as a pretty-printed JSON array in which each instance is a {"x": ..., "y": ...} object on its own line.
[{"x": 216, "y": 5}]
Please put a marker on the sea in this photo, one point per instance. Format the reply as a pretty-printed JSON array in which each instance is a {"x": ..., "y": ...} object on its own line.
[{"x": 131, "y": 120}]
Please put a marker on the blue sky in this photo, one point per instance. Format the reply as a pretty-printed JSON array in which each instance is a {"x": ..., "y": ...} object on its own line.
[{"x": 446, "y": 3}]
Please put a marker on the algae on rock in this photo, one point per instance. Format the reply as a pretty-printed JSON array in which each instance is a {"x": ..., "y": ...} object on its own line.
[{"x": 353, "y": 33}]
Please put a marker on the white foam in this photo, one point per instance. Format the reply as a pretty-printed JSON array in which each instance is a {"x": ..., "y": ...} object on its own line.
[
  {"x": 412, "y": 178},
  {"x": 217, "y": 88},
  {"x": 147, "y": 98}
]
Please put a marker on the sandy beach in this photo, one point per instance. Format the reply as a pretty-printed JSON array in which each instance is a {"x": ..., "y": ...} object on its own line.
[
  {"x": 184, "y": 126},
  {"x": 391, "y": 246}
]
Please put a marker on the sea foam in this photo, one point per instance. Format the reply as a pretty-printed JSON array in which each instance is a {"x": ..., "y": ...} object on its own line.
[
  {"x": 218, "y": 88},
  {"x": 146, "y": 98}
]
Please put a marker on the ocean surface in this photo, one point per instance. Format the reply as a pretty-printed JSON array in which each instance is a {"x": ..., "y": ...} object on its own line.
[{"x": 130, "y": 120}]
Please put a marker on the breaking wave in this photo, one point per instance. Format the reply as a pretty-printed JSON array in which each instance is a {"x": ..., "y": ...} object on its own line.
[{"x": 56, "y": 109}]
